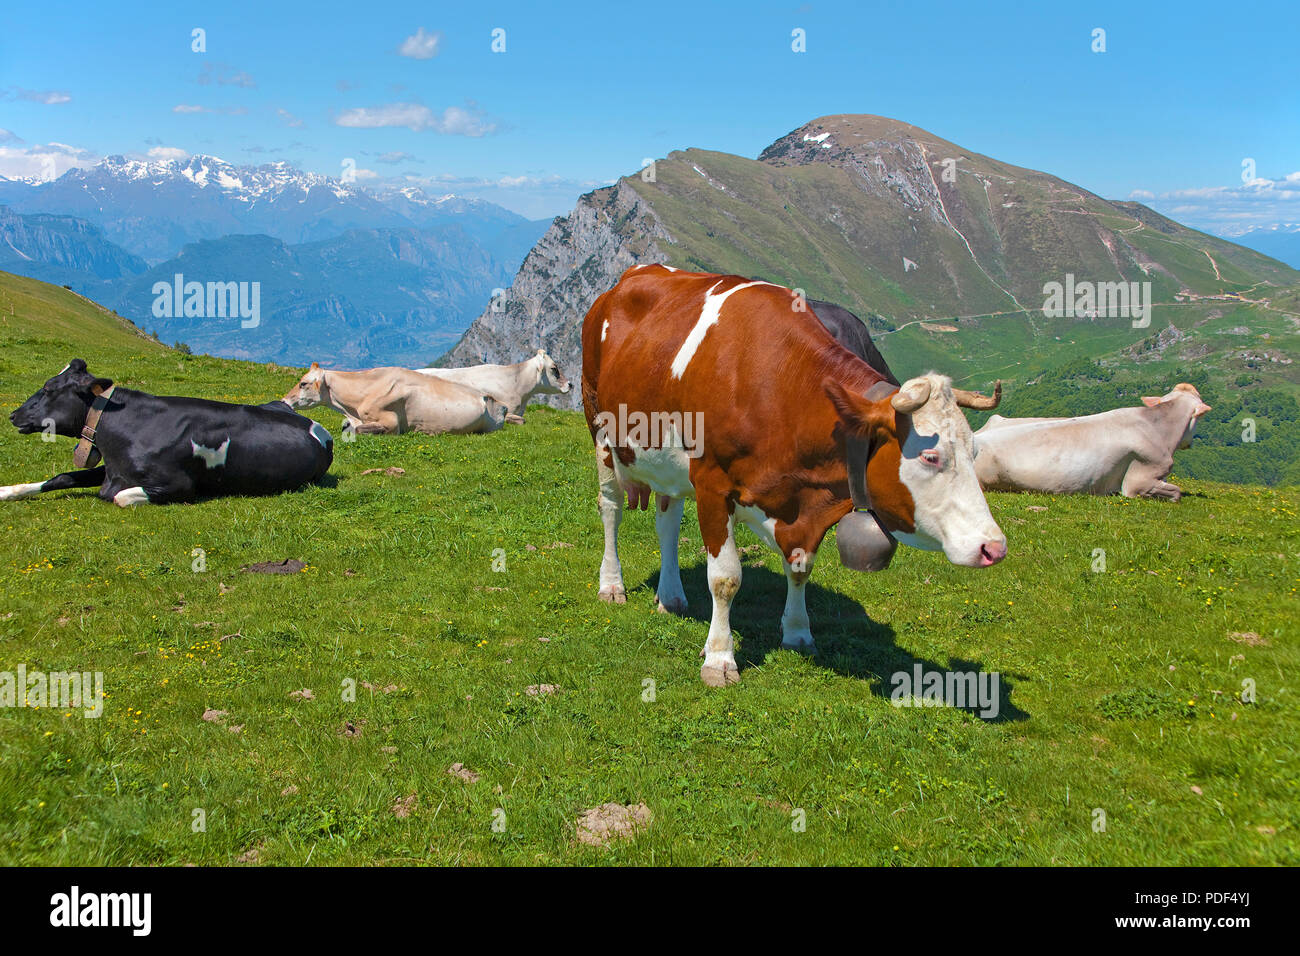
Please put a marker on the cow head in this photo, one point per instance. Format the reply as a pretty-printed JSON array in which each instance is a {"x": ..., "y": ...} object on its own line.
[
  {"x": 62, "y": 401},
  {"x": 1185, "y": 402},
  {"x": 551, "y": 380},
  {"x": 310, "y": 391},
  {"x": 920, "y": 471}
]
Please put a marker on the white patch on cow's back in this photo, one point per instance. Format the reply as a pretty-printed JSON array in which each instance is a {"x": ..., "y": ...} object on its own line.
[
  {"x": 212, "y": 457},
  {"x": 14, "y": 492},
  {"x": 130, "y": 496},
  {"x": 322, "y": 435},
  {"x": 709, "y": 315}
]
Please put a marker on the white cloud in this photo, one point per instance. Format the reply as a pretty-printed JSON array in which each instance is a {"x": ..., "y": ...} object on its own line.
[
  {"x": 44, "y": 162},
  {"x": 225, "y": 75},
  {"x": 454, "y": 121},
  {"x": 7, "y": 136},
  {"x": 421, "y": 45},
  {"x": 395, "y": 157},
  {"x": 289, "y": 118},
  {"x": 168, "y": 152},
  {"x": 48, "y": 97},
  {"x": 1229, "y": 210},
  {"x": 191, "y": 108}
]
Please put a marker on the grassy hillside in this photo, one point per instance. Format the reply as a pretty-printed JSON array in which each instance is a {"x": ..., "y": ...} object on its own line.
[{"x": 1120, "y": 687}]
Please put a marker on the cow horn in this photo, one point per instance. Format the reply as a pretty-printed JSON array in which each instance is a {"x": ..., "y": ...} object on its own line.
[
  {"x": 975, "y": 400},
  {"x": 911, "y": 396}
]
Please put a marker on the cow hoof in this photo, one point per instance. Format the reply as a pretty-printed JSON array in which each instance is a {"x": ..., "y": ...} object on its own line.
[
  {"x": 720, "y": 674},
  {"x": 674, "y": 606},
  {"x": 515, "y": 419},
  {"x": 804, "y": 645},
  {"x": 613, "y": 595}
]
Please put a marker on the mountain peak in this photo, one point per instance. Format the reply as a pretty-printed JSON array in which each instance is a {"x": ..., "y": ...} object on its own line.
[{"x": 837, "y": 137}]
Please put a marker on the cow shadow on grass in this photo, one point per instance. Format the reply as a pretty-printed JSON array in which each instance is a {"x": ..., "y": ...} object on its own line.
[{"x": 849, "y": 641}]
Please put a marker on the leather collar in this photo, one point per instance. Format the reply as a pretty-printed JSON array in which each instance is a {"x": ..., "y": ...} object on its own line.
[{"x": 86, "y": 455}]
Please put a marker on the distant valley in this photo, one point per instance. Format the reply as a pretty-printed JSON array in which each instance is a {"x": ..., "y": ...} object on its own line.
[{"x": 347, "y": 276}]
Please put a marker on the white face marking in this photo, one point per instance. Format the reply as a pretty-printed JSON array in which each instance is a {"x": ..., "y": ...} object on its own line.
[
  {"x": 321, "y": 434},
  {"x": 130, "y": 496},
  {"x": 950, "y": 511},
  {"x": 604, "y": 330},
  {"x": 212, "y": 457},
  {"x": 708, "y": 318},
  {"x": 14, "y": 492}
]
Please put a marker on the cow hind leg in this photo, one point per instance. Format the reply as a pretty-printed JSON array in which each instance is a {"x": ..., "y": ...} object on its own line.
[
  {"x": 668, "y": 526},
  {"x": 610, "y": 505},
  {"x": 717, "y": 526}
]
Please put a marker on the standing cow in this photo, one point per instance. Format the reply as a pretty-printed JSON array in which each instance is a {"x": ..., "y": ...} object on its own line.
[
  {"x": 718, "y": 388},
  {"x": 1126, "y": 450},
  {"x": 159, "y": 450}
]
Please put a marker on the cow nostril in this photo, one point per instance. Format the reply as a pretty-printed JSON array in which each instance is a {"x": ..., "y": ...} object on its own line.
[{"x": 991, "y": 552}]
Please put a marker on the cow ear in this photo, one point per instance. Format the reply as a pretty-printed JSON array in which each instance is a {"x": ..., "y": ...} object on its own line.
[
  {"x": 1201, "y": 409},
  {"x": 90, "y": 383},
  {"x": 1151, "y": 402},
  {"x": 76, "y": 365},
  {"x": 859, "y": 414},
  {"x": 314, "y": 366}
]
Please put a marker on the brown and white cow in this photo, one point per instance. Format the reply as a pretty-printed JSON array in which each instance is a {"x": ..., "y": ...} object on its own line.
[
  {"x": 759, "y": 412},
  {"x": 390, "y": 401}
]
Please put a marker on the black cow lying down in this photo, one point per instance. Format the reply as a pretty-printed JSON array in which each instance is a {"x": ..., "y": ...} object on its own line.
[{"x": 160, "y": 450}]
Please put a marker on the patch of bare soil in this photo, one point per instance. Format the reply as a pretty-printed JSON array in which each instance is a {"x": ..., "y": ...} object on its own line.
[{"x": 601, "y": 825}]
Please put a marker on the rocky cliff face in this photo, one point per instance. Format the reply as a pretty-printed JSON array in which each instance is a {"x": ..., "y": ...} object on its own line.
[{"x": 579, "y": 257}]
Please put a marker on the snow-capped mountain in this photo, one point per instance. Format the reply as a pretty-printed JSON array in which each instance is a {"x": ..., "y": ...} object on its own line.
[
  {"x": 152, "y": 208},
  {"x": 1281, "y": 240}
]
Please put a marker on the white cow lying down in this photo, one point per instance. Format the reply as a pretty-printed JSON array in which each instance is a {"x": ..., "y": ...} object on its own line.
[
  {"x": 390, "y": 401},
  {"x": 1128, "y": 450},
  {"x": 511, "y": 385}
]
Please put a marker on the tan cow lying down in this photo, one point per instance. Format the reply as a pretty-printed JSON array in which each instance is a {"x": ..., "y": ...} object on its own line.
[
  {"x": 1128, "y": 450},
  {"x": 511, "y": 385},
  {"x": 390, "y": 401}
]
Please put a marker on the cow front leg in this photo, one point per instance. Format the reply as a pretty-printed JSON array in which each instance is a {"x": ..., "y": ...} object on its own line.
[
  {"x": 717, "y": 526},
  {"x": 668, "y": 526},
  {"x": 86, "y": 478},
  {"x": 610, "y": 505},
  {"x": 796, "y": 634},
  {"x": 1145, "y": 480}
]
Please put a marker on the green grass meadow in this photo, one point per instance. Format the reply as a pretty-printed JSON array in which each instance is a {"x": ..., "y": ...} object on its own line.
[{"x": 1121, "y": 688}]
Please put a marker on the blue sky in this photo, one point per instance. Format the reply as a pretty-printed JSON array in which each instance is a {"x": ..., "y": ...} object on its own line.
[{"x": 583, "y": 92}]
